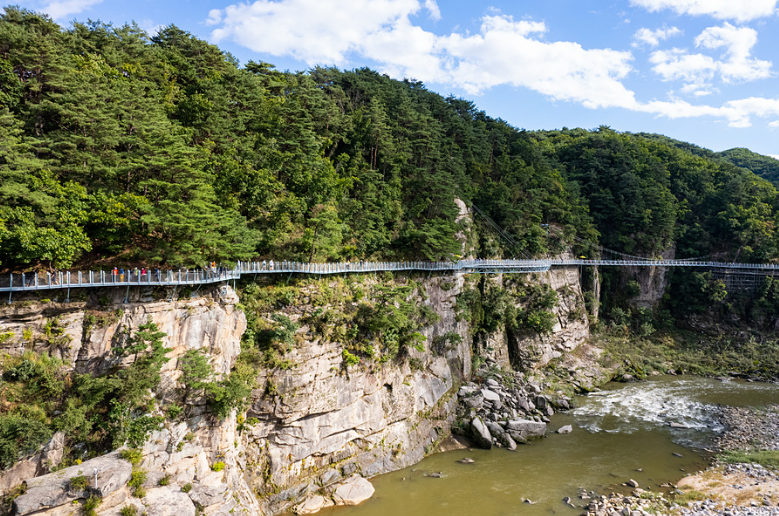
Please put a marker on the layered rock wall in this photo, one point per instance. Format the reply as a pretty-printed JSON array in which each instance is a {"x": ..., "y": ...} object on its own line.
[{"x": 310, "y": 425}]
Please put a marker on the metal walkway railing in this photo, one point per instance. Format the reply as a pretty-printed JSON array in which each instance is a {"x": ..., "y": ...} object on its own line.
[{"x": 67, "y": 280}]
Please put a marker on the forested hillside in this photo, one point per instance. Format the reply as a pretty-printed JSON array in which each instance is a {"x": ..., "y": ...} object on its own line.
[
  {"x": 766, "y": 167},
  {"x": 120, "y": 147}
]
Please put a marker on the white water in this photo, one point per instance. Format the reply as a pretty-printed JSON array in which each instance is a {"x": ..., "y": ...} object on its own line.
[
  {"x": 688, "y": 407},
  {"x": 647, "y": 405}
]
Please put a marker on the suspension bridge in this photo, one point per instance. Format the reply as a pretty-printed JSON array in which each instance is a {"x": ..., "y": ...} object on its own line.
[
  {"x": 112, "y": 278},
  {"x": 109, "y": 278}
]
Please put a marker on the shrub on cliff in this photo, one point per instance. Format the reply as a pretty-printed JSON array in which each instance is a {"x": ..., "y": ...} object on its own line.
[{"x": 20, "y": 436}]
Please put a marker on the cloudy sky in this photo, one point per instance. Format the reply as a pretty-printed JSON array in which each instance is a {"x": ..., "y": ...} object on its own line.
[{"x": 697, "y": 70}]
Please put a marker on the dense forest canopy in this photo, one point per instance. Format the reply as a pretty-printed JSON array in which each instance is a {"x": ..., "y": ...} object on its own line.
[{"x": 120, "y": 147}]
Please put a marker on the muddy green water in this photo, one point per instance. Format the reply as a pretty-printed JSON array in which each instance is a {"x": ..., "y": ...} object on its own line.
[{"x": 616, "y": 432}]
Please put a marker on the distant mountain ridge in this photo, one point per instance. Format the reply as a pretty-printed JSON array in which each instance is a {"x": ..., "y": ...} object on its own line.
[{"x": 766, "y": 167}]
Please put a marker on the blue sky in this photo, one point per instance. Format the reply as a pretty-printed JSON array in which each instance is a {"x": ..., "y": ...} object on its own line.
[{"x": 698, "y": 70}]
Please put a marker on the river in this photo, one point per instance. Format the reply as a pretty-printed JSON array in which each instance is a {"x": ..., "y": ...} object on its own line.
[{"x": 619, "y": 433}]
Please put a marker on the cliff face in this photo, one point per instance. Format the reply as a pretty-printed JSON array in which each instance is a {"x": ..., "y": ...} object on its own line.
[
  {"x": 652, "y": 280},
  {"x": 84, "y": 334},
  {"x": 571, "y": 324},
  {"x": 311, "y": 423},
  {"x": 526, "y": 348},
  {"x": 325, "y": 421}
]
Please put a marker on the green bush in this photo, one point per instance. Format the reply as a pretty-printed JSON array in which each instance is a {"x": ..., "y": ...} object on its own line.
[
  {"x": 78, "y": 483},
  {"x": 218, "y": 466},
  {"x": 349, "y": 358},
  {"x": 128, "y": 510},
  {"x": 20, "y": 436},
  {"x": 632, "y": 289},
  {"x": 137, "y": 478},
  {"x": 132, "y": 455},
  {"x": 164, "y": 481},
  {"x": 174, "y": 411},
  {"x": 187, "y": 488},
  {"x": 91, "y": 503},
  {"x": 540, "y": 321}
]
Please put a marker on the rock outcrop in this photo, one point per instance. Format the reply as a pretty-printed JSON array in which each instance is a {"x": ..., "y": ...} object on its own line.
[
  {"x": 324, "y": 422},
  {"x": 571, "y": 327},
  {"x": 314, "y": 429}
]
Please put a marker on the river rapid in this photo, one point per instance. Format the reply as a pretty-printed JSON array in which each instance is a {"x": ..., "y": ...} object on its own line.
[{"x": 653, "y": 432}]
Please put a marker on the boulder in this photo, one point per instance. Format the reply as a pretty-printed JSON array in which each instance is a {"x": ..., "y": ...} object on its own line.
[
  {"x": 475, "y": 402},
  {"x": 480, "y": 433},
  {"x": 527, "y": 428},
  {"x": 511, "y": 445},
  {"x": 313, "y": 505},
  {"x": 497, "y": 432},
  {"x": 168, "y": 501},
  {"x": 567, "y": 429},
  {"x": 53, "y": 489},
  {"x": 353, "y": 492},
  {"x": 517, "y": 437},
  {"x": 525, "y": 405},
  {"x": 541, "y": 402},
  {"x": 206, "y": 496},
  {"x": 490, "y": 395},
  {"x": 467, "y": 390}
]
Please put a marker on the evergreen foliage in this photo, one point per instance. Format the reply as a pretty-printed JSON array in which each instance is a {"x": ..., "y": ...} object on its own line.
[{"x": 164, "y": 150}]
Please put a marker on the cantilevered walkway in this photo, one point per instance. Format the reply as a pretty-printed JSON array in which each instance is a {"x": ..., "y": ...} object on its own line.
[{"x": 106, "y": 278}]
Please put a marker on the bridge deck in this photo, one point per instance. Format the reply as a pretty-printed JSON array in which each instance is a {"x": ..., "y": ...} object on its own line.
[{"x": 67, "y": 280}]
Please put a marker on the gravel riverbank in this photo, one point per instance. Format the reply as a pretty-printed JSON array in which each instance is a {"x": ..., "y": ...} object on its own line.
[
  {"x": 749, "y": 429},
  {"x": 721, "y": 490}
]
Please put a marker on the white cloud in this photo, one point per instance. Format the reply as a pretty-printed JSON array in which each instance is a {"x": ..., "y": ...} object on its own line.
[
  {"x": 738, "y": 113},
  {"x": 736, "y": 63},
  {"x": 214, "y": 17},
  {"x": 59, "y": 9},
  {"x": 738, "y": 10},
  {"x": 695, "y": 70},
  {"x": 504, "y": 51},
  {"x": 314, "y": 31},
  {"x": 654, "y": 37},
  {"x": 432, "y": 8}
]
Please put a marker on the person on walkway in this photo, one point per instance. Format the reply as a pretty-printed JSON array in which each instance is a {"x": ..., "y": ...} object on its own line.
[
  {"x": 114, "y": 274},
  {"x": 121, "y": 275},
  {"x": 271, "y": 265}
]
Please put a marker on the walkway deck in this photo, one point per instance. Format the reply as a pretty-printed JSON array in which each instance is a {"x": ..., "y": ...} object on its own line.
[{"x": 67, "y": 280}]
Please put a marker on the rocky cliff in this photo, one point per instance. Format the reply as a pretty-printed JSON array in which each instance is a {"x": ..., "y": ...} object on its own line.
[{"x": 324, "y": 409}]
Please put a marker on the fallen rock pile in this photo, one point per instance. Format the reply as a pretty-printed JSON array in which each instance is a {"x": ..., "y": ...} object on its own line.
[{"x": 505, "y": 411}]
